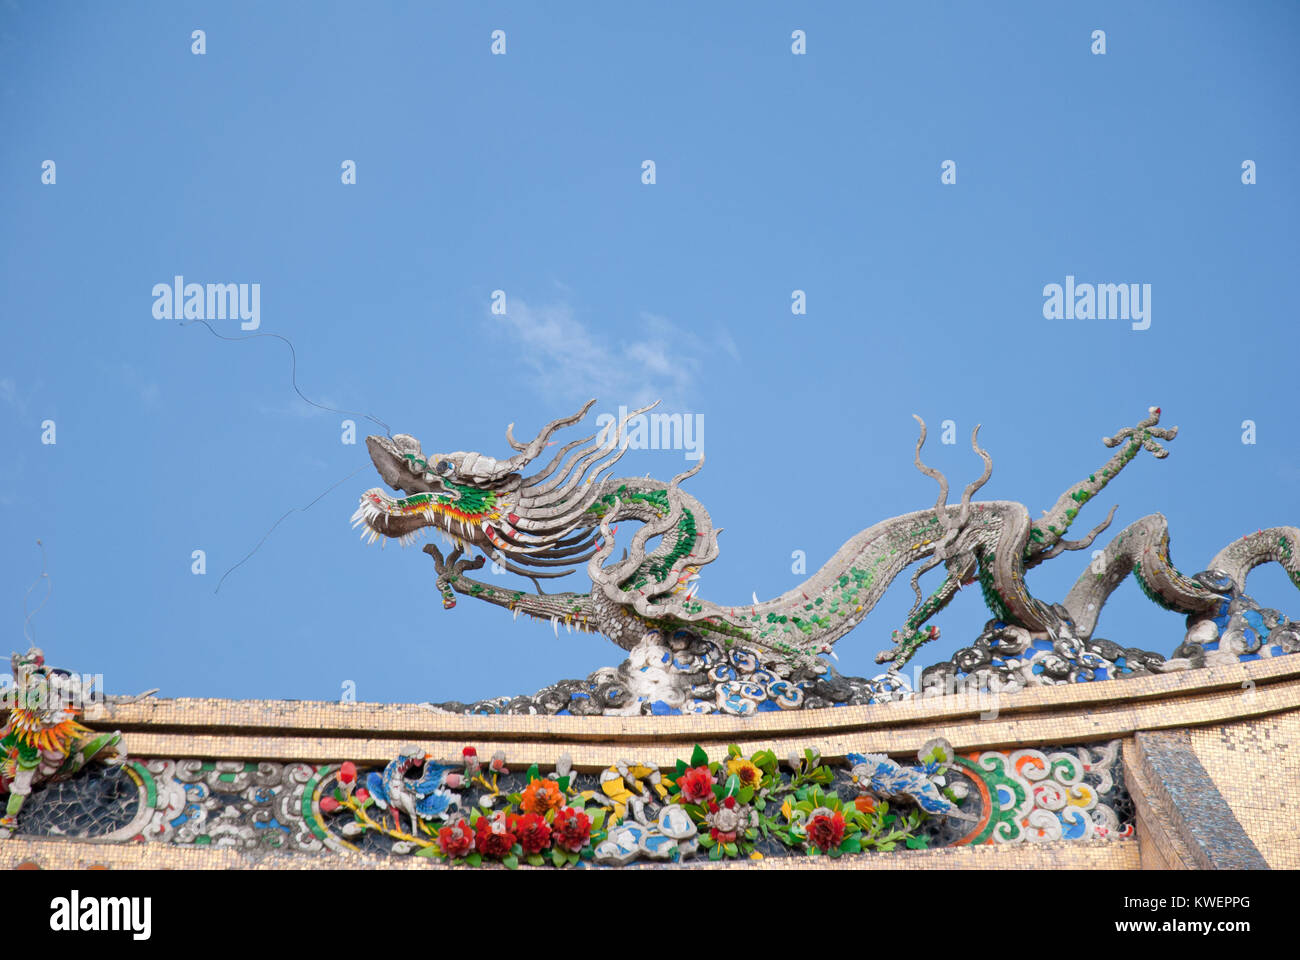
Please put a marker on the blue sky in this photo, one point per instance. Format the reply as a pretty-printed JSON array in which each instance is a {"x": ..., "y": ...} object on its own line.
[{"x": 522, "y": 172}]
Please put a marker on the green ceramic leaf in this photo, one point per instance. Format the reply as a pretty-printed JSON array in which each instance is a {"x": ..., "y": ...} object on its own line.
[
  {"x": 512, "y": 862},
  {"x": 474, "y": 859},
  {"x": 698, "y": 757},
  {"x": 715, "y": 853},
  {"x": 557, "y": 857},
  {"x": 731, "y": 849},
  {"x": 532, "y": 773},
  {"x": 535, "y": 860},
  {"x": 563, "y": 783}
]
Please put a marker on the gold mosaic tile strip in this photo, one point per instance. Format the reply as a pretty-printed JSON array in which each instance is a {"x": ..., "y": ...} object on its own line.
[
  {"x": 412, "y": 721},
  {"x": 1256, "y": 766},
  {"x": 1040, "y": 729},
  {"x": 73, "y": 855},
  {"x": 1149, "y": 853}
]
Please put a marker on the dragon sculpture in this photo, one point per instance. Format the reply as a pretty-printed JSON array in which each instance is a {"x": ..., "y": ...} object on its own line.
[
  {"x": 42, "y": 741},
  {"x": 538, "y": 524}
]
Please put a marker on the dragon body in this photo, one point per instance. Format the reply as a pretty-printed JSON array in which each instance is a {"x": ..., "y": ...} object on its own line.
[{"x": 569, "y": 512}]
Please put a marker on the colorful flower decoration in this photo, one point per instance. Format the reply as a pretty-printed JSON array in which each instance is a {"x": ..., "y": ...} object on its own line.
[
  {"x": 571, "y": 830},
  {"x": 746, "y": 771},
  {"x": 533, "y": 831},
  {"x": 492, "y": 836},
  {"x": 735, "y": 807},
  {"x": 456, "y": 840},
  {"x": 696, "y": 785},
  {"x": 826, "y": 829},
  {"x": 541, "y": 797},
  {"x": 729, "y": 821}
]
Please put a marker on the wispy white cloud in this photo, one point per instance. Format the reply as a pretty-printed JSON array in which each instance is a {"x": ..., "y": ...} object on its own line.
[
  {"x": 567, "y": 358},
  {"x": 728, "y": 344},
  {"x": 14, "y": 400}
]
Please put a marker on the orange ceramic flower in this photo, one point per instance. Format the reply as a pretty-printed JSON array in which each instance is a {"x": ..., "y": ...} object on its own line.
[{"x": 541, "y": 797}]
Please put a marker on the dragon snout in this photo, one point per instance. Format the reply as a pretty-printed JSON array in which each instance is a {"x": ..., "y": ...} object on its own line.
[{"x": 387, "y": 460}]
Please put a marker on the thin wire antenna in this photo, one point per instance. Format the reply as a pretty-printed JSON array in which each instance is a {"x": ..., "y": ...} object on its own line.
[
  {"x": 281, "y": 520},
  {"x": 49, "y": 589},
  {"x": 293, "y": 373}
]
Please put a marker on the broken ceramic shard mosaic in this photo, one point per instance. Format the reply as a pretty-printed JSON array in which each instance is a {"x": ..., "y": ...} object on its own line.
[{"x": 464, "y": 813}]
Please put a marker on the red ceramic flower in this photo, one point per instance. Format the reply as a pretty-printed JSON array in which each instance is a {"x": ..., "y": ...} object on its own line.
[
  {"x": 571, "y": 830},
  {"x": 363, "y": 795},
  {"x": 493, "y": 836},
  {"x": 541, "y": 797},
  {"x": 533, "y": 831},
  {"x": 347, "y": 772},
  {"x": 328, "y": 804},
  {"x": 696, "y": 785},
  {"x": 456, "y": 839},
  {"x": 826, "y": 832}
]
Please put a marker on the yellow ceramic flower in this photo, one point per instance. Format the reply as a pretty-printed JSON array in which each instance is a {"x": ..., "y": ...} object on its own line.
[{"x": 746, "y": 770}]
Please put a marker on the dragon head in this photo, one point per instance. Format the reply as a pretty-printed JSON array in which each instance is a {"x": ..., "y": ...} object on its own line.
[
  {"x": 42, "y": 698},
  {"x": 477, "y": 501}
]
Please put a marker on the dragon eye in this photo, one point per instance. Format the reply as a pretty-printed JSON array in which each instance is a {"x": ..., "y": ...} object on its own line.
[{"x": 443, "y": 468}]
